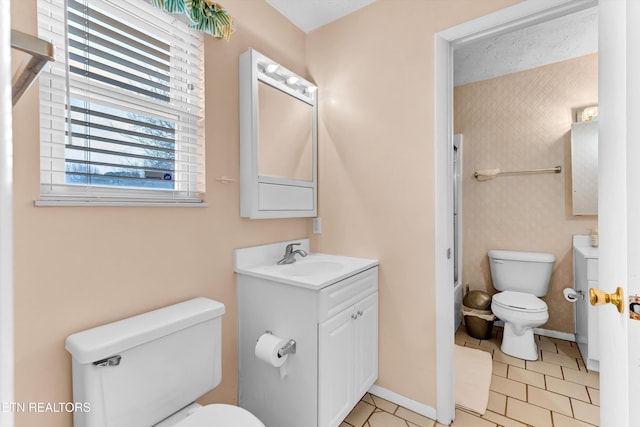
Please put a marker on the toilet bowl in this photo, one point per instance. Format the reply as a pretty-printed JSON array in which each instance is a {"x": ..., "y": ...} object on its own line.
[
  {"x": 521, "y": 312},
  {"x": 149, "y": 369},
  {"x": 521, "y": 277}
]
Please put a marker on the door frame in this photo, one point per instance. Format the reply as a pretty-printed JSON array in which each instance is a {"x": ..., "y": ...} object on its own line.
[
  {"x": 517, "y": 16},
  {"x": 456, "y": 212},
  {"x": 6, "y": 219}
]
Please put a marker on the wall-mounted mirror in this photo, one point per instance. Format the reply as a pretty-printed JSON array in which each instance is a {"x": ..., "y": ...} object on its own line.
[
  {"x": 584, "y": 167},
  {"x": 285, "y": 135},
  {"x": 278, "y": 140}
]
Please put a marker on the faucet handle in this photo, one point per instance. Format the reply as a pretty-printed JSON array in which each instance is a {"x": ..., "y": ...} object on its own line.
[{"x": 289, "y": 248}]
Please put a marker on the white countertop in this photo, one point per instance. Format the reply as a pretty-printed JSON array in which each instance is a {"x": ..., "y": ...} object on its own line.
[
  {"x": 582, "y": 244},
  {"x": 587, "y": 251},
  {"x": 348, "y": 267}
]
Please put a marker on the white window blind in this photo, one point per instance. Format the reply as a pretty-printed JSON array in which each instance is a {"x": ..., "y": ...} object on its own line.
[{"x": 121, "y": 108}]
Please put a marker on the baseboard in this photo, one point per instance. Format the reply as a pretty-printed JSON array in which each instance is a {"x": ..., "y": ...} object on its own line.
[
  {"x": 555, "y": 334},
  {"x": 545, "y": 332},
  {"x": 403, "y": 401}
]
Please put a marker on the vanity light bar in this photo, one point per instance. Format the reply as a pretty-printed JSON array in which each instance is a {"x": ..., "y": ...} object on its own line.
[{"x": 278, "y": 72}]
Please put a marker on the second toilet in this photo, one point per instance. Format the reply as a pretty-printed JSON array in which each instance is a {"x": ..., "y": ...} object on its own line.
[{"x": 521, "y": 278}]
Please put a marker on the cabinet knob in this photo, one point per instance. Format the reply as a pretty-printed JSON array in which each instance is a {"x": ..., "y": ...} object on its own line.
[
  {"x": 360, "y": 313},
  {"x": 354, "y": 316}
]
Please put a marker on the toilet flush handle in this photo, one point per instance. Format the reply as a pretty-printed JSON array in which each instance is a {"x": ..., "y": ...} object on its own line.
[{"x": 109, "y": 361}]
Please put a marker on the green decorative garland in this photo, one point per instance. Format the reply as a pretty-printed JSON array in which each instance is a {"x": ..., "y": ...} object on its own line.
[{"x": 205, "y": 15}]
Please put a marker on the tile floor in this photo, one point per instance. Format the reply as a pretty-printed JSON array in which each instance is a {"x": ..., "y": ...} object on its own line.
[{"x": 554, "y": 391}]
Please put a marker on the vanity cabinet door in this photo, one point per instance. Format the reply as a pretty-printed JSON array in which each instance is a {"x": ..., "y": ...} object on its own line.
[
  {"x": 335, "y": 368},
  {"x": 366, "y": 345},
  {"x": 593, "y": 316},
  {"x": 347, "y": 359}
]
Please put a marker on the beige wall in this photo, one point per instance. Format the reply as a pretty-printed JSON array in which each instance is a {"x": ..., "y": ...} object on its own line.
[
  {"x": 515, "y": 122},
  {"x": 374, "y": 70},
  {"x": 76, "y": 268}
]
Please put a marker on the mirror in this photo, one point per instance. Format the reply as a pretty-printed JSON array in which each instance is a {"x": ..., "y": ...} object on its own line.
[
  {"x": 278, "y": 140},
  {"x": 584, "y": 167},
  {"x": 284, "y": 135}
]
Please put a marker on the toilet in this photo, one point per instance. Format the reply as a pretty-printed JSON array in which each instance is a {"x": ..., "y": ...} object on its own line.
[
  {"x": 149, "y": 369},
  {"x": 520, "y": 278}
]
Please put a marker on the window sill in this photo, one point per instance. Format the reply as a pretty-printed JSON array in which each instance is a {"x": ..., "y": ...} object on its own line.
[{"x": 119, "y": 203}]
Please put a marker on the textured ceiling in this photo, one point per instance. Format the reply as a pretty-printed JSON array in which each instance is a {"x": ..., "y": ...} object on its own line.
[
  {"x": 557, "y": 40},
  {"x": 311, "y": 14}
]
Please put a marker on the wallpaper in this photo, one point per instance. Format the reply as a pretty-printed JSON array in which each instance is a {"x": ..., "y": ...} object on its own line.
[{"x": 519, "y": 122}]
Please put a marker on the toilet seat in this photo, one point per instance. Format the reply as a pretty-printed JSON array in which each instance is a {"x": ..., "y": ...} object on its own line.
[
  {"x": 220, "y": 415},
  {"x": 519, "y": 301}
]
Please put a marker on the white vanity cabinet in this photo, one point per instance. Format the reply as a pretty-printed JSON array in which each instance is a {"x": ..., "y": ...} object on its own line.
[
  {"x": 335, "y": 326},
  {"x": 585, "y": 276}
]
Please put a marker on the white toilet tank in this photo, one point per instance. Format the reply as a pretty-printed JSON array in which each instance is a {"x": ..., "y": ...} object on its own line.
[
  {"x": 527, "y": 272},
  {"x": 140, "y": 370}
]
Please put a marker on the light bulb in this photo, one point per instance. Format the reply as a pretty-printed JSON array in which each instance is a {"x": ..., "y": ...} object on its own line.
[
  {"x": 293, "y": 80},
  {"x": 271, "y": 68},
  {"x": 312, "y": 89}
]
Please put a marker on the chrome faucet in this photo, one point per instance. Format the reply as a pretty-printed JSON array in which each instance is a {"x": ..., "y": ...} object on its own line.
[{"x": 289, "y": 254}]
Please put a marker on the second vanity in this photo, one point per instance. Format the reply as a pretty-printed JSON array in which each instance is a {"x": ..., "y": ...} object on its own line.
[
  {"x": 585, "y": 276},
  {"x": 328, "y": 305}
]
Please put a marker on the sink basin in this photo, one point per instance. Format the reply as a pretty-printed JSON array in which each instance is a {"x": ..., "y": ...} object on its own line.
[
  {"x": 315, "y": 271},
  {"x": 312, "y": 268}
]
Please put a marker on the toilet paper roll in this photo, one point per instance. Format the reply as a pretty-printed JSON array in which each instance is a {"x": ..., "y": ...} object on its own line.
[
  {"x": 570, "y": 294},
  {"x": 267, "y": 349}
]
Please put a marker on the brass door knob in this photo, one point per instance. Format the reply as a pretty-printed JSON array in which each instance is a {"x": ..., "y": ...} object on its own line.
[{"x": 598, "y": 297}]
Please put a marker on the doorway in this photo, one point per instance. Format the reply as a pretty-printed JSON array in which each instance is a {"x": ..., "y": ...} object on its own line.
[{"x": 517, "y": 16}]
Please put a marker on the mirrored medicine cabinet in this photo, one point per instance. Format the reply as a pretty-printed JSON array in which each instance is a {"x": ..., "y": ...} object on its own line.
[
  {"x": 584, "y": 167},
  {"x": 278, "y": 140}
]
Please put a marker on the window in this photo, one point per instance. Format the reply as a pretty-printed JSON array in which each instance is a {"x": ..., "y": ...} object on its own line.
[{"x": 120, "y": 109}]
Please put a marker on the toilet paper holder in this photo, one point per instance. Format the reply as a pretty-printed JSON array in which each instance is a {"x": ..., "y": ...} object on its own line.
[
  {"x": 289, "y": 347},
  {"x": 573, "y": 295},
  {"x": 581, "y": 293}
]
